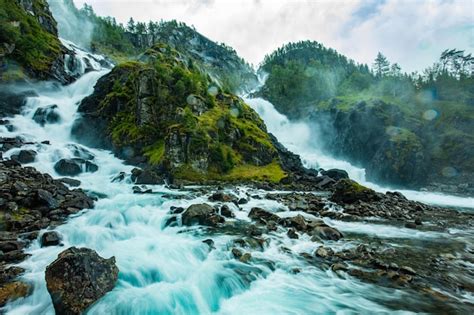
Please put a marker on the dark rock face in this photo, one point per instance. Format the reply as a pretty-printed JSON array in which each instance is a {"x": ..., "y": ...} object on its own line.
[
  {"x": 47, "y": 115},
  {"x": 12, "y": 100},
  {"x": 25, "y": 156},
  {"x": 79, "y": 268},
  {"x": 146, "y": 177},
  {"x": 50, "y": 239},
  {"x": 202, "y": 214},
  {"x": 263, "y": 216},
  {"x": 75, "y": 166}
]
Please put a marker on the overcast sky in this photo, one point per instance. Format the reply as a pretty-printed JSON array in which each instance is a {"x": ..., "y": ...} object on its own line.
[{"x": 410, "y": 32}]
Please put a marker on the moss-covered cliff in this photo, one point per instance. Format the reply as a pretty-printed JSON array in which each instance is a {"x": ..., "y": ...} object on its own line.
[
  {"x": 164, "y": 112},
  {"x": 29, "y": 44}
]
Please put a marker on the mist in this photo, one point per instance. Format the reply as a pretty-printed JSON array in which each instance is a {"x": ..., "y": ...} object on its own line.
[{"x": 71, "y": 26}]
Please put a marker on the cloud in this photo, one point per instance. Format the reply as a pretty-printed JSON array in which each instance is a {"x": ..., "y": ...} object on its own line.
[{"x": 412, "y": 33}]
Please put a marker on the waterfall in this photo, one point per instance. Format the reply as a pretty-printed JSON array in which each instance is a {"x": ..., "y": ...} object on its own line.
[
  {"x": 171, "y": 270},
  {"x": 299, "y": 138}
]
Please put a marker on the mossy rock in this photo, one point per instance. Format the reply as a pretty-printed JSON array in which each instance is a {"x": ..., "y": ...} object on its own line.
[
  {"x": 12, "y": 291},
  {"x": 347, "y": 191},
  {"x": 163, "y": 111}
]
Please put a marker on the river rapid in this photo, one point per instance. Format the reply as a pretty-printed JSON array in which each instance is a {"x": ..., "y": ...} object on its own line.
[{"x": 169, "y": 270}]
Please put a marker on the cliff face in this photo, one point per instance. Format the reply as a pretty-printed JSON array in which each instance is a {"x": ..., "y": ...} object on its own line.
[
  {"x": 165, "y": 113},
  {"x": 29, "y": 42}
]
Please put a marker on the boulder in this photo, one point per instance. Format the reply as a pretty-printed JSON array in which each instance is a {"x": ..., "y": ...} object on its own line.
[
  {"x": 51, "y": 238},
  {"x": 222, "y": 197},
  {"x": 47, "y": 115},
  {"x": 70, "y": 181},
  {"x": 78, "y": 278},
  {"x": 202, "y": 214},
  {"x": 46, "y": 198},
  {"x": 263, "y": 216},
  {"x": 25, "y": 156},
  {"x": 335, "y": 174},
  {"x": 327, "y": 233},
  {"x": 146, "y": 177},
  {"x": 12, "y": 291},
  {"x": 74, "y": 166},
  {"x": 67, "y": 167},
  {"x": 347, "y": 191}
]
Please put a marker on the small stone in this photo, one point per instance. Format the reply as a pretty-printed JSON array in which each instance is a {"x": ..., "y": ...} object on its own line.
[
  {"x": 50, "y": 239},
  {"x": 339, "y": 267},
  {"x": 226, "y": 212},
  {"x": 324, "y": 252},
  {"x": 292, "y": 234}
]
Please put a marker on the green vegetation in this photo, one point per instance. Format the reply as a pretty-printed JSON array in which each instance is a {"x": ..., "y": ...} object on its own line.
[
  {"x": 171, "y": 112},
  {"x": 27, "y": 46},
  {"x": 432, "y": 111}
]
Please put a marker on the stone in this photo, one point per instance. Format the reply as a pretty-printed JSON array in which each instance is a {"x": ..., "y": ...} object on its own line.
[
  {"x": 70, "y": 182},
  {"x": 242, "y": 201},
  {"x": 324, "y": 252},
  {"x": 347, "y": 191},
  {"x": 79, "y": 268},
  {"x": 67, "y": 167},
  {"x": 292, "y": 234},
  {"x": 51, "y": 238},
  {"x": 47, "y": 199},
  {"x": 222, "y": 197},
  {"x": 335, "y": 174},
  {"x": 12, "y": 291},
  {"x": 327, "y": 233},
  {"x": 202, "y": 214},
  {"x": 47, "y": 115},
  {"x": 226, "y": 212},
  {"x": 25, "y": 156},
  {"x": 263, "y": 216}
]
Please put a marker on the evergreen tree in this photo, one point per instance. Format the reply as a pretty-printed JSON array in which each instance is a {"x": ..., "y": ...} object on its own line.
[
  {"x": 131, "y": 25},
  {"x": 381, "y": 65}
]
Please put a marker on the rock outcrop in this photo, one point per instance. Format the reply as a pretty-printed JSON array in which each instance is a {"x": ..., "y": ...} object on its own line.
[
  {"x": 78, "y": 278},
  {"x": 164, "y": 114}
]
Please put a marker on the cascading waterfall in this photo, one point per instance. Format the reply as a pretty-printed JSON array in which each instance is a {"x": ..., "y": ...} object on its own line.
[
  {"x": 162, "y": 270},
  {"x": 299, "y": 138}
]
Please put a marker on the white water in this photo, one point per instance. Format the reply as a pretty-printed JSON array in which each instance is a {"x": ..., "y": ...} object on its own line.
[
  {"x": 165, "y": 271},
  {"x": 299, "y": 138}
]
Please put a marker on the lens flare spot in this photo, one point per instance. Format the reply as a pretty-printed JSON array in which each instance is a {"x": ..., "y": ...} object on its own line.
[
  {"x": 449, "y": 171},
  {"x": 191, "y": 100},
  {"x": 213, "y": 90},
  {"x": 235, "y": 112},
  {"x": 430, "y": 114}
]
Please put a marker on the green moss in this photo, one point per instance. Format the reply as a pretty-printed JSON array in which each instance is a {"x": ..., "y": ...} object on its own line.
[
  {"x": 35, "y": 49},
  {"x": 155, "y": 152},
  {"x": 271, "y": 172}
]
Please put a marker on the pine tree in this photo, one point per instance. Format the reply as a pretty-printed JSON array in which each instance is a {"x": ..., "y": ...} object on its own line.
[{"x": 381, "y": 65}]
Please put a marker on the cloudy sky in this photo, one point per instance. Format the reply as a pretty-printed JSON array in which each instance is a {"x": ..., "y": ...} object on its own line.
[{"x": 410, "y": 32}]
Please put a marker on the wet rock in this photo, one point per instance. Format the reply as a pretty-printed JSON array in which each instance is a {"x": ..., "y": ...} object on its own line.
[
  {"x": 79, "y": 268},
  {"x": 209, "y": 242},
  {"x": 12, "y": 291},
  {"x": 236, "y": 252},
  {"x": 245, "y": 258},
  {"x": 222, "y": 197},
  {"x": 292, "y": 234},
  {"x": 410, "y": 225},
  {"x": 327, "y": 233},
  {"x": 418, "y": 221},
  {"x": 51, "y": 238},
  {"x": 349, "y": 191},
  {"x": 335, "y": 174},
  {"x": 298, "y": 222},
  {"x": 47, "y": 199},
  {"x": 25, "y": 156},
  {"x": 70, "y": 181},
  {"x": 81, "y": 152},
  {"x": 67, "y": 167},
  {"x": 74, "y": 166},
  {"x": 119, "y": 178},
  {"x": 242, "y": 201},
  {"x": 226, "y": 212},
  {"x": 324, "y": 252},
  {"x": 340, "y": 266},
  {"x": 263, "y": 216},
  {"x": 47, "y": 115},
  {"x": 141, "y": 190},
  {"x": 202, "y": 214},
  {"x": 146, "y": 177}
]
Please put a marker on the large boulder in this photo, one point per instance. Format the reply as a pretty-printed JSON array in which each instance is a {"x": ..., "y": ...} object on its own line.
[
  {"x": 202, "y": 214},
  {"x": 73, "y": 167},
  {"x": 47, "y": 115},
  {"x": 25, "y": 156},
  {"x": 335, "y": 174},
  {"x": 78, "y": 278},
  {"x": 347, "y": 191},
  {"x": 263, "y": 216}
]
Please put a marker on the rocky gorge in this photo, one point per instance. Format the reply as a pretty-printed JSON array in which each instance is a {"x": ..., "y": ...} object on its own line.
[{"x": 151, "y": 187}]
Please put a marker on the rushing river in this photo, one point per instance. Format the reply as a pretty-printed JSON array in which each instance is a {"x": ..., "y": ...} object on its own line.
[{"x": 170, "y": 270}]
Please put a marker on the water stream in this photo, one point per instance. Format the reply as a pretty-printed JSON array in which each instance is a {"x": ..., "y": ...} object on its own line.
[{"x": 170, "y": 270}]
